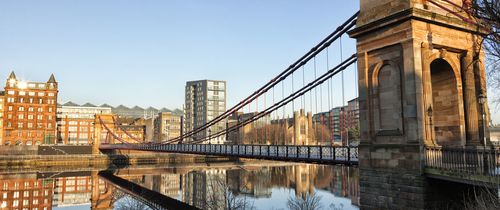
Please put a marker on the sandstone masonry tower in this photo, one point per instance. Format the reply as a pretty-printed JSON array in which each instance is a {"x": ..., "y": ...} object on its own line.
[{"x": 420, "y": 77}]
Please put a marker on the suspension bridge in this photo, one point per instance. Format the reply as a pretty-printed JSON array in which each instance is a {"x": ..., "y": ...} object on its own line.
[{"x": 421, "y": 106}]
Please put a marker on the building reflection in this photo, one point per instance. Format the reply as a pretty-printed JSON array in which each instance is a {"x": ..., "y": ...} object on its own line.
[
  {"x": 26, "y": 192},
  {"x": 258, "y": 182},
  {"x": 204, "y": 187}
]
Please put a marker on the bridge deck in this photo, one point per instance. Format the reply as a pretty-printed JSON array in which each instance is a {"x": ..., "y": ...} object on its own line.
[
  {"x": 308, "y": 154},
  {"x": 151, "y": 198},
  {"x": 472, "y": 166}
]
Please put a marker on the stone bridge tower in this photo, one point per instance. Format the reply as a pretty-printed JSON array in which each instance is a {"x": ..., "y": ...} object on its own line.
[{"x": 421, "y": 73}]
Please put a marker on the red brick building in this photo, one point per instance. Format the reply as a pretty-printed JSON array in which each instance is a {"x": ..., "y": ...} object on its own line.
[{"x": 29, "y": 112}]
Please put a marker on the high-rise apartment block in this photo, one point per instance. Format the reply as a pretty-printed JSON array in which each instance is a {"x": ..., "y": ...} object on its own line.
[
  {"x": 205, "y": 100},
  {"x": 29, "y": 112},
  {"x": 75, "y": 123}
]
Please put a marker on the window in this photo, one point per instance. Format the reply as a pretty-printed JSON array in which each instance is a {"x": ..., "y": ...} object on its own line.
[
  {"x": 40, "y": 109},
  {"x": 11, "y": 92},
  {"x": 26, "y": 193},
  {"x": 39, "y": 117},
  {"x": 31, "y": 93},
  {"x": 20, "y": 125},
  {"x": 22, "y": 93},
  {"x": 31, "y": 100},
  {"x": 20, "y": 116},
  {"x": 51, "y": 94},
  {"x": 10, "y": 100},
  {"x": 21, "y": 109},
  {"x": 41, "y": 94},
  {"x": 16, "y": 194},
  {"x": 30, "y": 109},
  {"x": 30, "y": 125},
  {"x": 50, "y": 109},
  {"x": 10, "y": 108},
  {"x": 15, "y": 203},
  {"x": 40, "y": 101}
]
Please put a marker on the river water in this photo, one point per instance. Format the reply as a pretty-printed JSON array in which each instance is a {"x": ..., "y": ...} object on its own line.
[{"x": 221, "y": 185}]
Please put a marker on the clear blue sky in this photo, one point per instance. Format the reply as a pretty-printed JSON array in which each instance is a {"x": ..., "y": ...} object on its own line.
[{"x": 143, "y": 52}]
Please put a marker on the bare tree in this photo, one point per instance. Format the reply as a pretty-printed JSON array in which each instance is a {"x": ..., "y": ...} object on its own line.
[
  {"x": 487, "y": 14},
  {"x": 221, "y": 197},
  {"x": 307, "y": 202},
  {"x": 482, "y": 199},
  {"x": 129, "y": 203}
]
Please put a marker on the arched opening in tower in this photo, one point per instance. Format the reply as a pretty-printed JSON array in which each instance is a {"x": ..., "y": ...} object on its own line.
[{"x": 445, "y": 104}]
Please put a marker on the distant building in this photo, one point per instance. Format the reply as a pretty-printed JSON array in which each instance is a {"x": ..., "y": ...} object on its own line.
[
  {"x": 341, "y": 121},
  {"x": 352, "y": 117},
  {"x": 167, "y": 125},
  {"x": 123, "y": 129},
  {"x": 204, "y": 101},
  {"x": 257, "y": 132},
  {"x": 2, "y": 94},
  {"x": 148, "y": 124},
  {"x": 29, "y": 112},
  {"x": 75, "y": 123},
  {"x": 495, "y": 135},
  {"x": 134, "y": 112},
  {"x": 297, "y": 130}
]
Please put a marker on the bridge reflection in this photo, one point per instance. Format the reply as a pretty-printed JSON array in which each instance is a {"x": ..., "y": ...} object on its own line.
[{"x": 203, "y": 186}]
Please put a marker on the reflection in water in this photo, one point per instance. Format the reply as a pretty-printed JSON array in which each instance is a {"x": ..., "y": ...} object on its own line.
[
  {"x": 305, "y": 202},
  {"x": 228, "y": 186},
  {"x": 129, "y": 203}
]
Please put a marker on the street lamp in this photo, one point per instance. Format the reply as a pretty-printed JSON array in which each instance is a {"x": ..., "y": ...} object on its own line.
[
  {"x": 482, "y": 101},
  {"x": 429, "y": 113}
]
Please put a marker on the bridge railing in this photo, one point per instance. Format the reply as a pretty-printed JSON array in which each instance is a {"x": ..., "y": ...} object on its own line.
[
  {"x": 485, "y": 162},
  {"x": 344, "y": 155}
]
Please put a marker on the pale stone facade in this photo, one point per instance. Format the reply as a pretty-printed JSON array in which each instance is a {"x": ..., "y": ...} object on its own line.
[{"x": 418, "y": 85}]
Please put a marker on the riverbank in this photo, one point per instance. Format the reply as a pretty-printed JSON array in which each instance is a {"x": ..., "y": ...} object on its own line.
[{"x": 101, "y": 161}]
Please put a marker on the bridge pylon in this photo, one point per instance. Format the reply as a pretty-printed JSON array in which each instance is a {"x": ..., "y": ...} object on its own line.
[{"x": 421, "y": 75}]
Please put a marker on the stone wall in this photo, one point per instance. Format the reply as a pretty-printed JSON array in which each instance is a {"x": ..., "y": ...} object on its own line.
[{"x": 391, "y": 189}]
